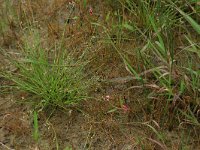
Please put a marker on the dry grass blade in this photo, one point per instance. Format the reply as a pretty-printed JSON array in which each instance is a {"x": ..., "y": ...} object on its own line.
[{"x": 162, "y": 146}]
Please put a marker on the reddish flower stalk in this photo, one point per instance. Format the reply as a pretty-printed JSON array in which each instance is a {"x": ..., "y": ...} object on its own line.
[
  {"x": 91, "y": 11},
  {"x": 125, "y": 108}
]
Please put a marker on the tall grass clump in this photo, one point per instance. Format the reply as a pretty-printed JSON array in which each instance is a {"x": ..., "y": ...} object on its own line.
[
  {"x": 153, "y": 23},
  {"x": 167, "y": 54},
  {"x": 54, "y": 77},
  {"x": 141, "y": 13}
]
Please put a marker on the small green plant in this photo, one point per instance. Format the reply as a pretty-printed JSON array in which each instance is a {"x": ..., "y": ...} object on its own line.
[
  {"x": 55, "y": 77},
  {"x": 35, "y": 126}
]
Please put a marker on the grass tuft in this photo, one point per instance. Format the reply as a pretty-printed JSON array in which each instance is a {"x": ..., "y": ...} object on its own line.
[{"x": 55, "y": 77}]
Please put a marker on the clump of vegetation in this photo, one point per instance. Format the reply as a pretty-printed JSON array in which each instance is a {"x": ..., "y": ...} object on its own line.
[
  {"x": 55, "y": 76},
  {"x": 160, "y": 66}
]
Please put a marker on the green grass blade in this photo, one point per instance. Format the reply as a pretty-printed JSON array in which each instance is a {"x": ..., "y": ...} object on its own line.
[
  {"x": 35, "y": 126},
  {"x": 193, "y": 23}
]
